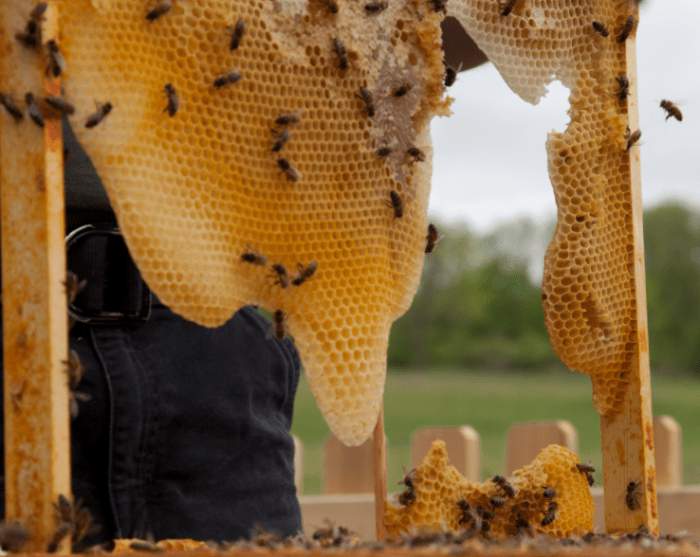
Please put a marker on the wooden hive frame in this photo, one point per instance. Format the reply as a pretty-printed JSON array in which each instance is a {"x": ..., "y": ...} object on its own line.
[{"x": 37, "y": 449}]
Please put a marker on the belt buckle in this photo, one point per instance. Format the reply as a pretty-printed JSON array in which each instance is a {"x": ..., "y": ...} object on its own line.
[{"x": 105, "y": 316}]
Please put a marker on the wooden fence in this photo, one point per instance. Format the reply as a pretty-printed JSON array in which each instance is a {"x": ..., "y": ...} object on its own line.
[{"x": 348, "y": 480}]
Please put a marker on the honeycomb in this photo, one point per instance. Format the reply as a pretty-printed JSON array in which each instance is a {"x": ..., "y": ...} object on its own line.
[
  {"x": 438, "y": 488},
  {"x": 192, "y": 176},
  {"x": 588, "y": 288}
]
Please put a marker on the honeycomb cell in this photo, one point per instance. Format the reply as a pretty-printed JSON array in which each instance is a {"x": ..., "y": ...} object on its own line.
[
  {"x": 588, "y": 166},
  {"x": 194, "y": 191},
  {"x": 439, "y": 488}
]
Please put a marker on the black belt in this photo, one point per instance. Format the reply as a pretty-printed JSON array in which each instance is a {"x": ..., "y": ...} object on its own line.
[{"x": 114, "y": 291}]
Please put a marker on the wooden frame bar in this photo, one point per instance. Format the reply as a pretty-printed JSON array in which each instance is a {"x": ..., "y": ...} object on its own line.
[
  {"x": 627, "y": 438},
  {"x": 37, "y": 426}
]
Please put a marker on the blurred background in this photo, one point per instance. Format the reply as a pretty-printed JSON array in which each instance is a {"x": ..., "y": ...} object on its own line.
[{"x": 473, "y": 349}]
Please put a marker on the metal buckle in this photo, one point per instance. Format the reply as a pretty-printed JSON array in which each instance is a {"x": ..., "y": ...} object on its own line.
[{"x": 105, "y": 317}]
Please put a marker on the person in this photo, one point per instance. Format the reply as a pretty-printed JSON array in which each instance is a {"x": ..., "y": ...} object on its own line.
[{"x": 181, "y": 431}]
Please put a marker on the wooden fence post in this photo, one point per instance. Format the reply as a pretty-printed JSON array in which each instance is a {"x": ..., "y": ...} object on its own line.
[
  {"x": 526, "y": 440},
  {"x": 669, "y": 463},
  {"x": 463, "y": 446},
  {"x": 347, "y": 469}
]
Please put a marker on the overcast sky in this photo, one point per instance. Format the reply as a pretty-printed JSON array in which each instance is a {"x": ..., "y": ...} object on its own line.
[{"x": 490, "y": 162}]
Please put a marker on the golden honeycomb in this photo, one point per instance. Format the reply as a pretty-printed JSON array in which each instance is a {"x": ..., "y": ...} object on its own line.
[
  {"x": 588, "y": 285},
  {"x": 438, "y": 488},
  {"x": 196, "y": 190}
]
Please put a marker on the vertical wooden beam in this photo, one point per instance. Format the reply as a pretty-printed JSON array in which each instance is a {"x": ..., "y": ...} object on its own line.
[
  {"x": 627, "y": 437},
  {"x": 669, "y": 461},
  {"x": 37, "y": 444},
  {"x": 379, "y": 461},
  {"x": 526, "y": 440},
  {"x": 463, "y": 445},
  {"x": 347, "y": 469}
]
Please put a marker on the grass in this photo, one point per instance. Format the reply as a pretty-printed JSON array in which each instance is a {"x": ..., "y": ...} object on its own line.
[{"x": 491, "y": 403}]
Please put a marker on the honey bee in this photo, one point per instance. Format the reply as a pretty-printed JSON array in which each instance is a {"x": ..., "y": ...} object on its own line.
[
  {"x": 288, "y": 118},
  {"x": 600, "y": 28},
  {"x": 331, "y": 6},
  {"x": 523, "y": 527},
  {"x": 431, "y": 239},
  {"x": 73, "y": 286},
  {"x": 585, "y": 468},
  {"x": 672, "y": 110},
  {"x": 504, "y": 485},
  {"x": 160, "y": 9},
  {"x": 549, "y": 492},
  {"x": 75, "y": 370},
  {"x": 173, "y": 100},
  {"x": 627, "y": 28},
  {"x": 450, "y": 76},
  {"x": 395, "y": 202},
  {"x": 383, "y": 152},
  {"x": 551, "y": 513},
  {"x": 236, "y": 34},
  {"x": 408, "y": 496},
  {"x": 341, "y": 53},
  {"x": 37, "y": 13},
  {"x": 254, "y": 257},
  {"x": 83, "y": 525},
  {"x": 401, "y": 91},
  {"x": 13, "y": 110},
  {"x": 305, "y": 273},
  {"x": 631, "y": 496},
  {"x": 99, "y": 115},
  {"x": 226, "y": 79},
  {"x": 57, "y": 63},
  {"x": 145, "y": 545},
  {"x": 465, "y": 508},
  {"x": 624, "y": 86},
  {"x": 376, "y": 7},
  {"x": 288, "y": 169},
  {"x": 439, "y": 5},
  {"x": 280, "y": 139},
  {"x": 59, "y": 534},
  {"x": 366, "y": 97},
  {"x": 507, "y": 7},
  {"x": 14, "y": 536},
  {"x": 31, "y": 37},
  {"x": 282, "y": 277},
  {"x": 483, "y": 513},
  {"x": 33, "y": 109},
  {"x": 409, "y": 478},
  {"x": 497, "y": 502},
  {"x": 279, "y": 324},
  {"x": 331, "y": 536},
  {"x": 60, "y": 104},
  {"x": 633, "y": 138},
  {"x": 416, "y": 153}
]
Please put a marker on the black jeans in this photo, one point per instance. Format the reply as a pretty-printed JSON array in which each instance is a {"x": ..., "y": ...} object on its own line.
[{"x": 187, "y": 431}]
